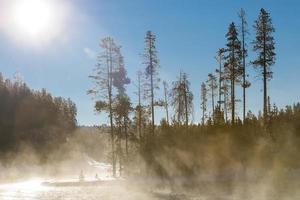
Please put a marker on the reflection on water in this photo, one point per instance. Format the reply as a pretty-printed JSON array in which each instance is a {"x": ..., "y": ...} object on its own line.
[
  {"x": 34, "y": 190},
  {"x": 28, "y": 190}
]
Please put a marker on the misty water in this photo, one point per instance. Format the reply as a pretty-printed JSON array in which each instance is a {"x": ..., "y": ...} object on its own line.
[{"x": 35, "y": 190}]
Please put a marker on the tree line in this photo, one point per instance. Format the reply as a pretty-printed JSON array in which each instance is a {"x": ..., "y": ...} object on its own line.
[{"x": 33, "y": 118}]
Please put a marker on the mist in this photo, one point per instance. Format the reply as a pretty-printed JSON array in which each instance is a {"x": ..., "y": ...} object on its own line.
[{"x": 148, "y": 142}]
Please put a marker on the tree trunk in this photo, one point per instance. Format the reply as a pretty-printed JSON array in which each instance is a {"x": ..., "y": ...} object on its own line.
[
  {"x": 152, "y": 88},
  {"x": 265, "y": 81},
  {"x": 111, "y": 112},
  {"x": 213, "y": 101},
  {"x": 186, "y": 105},
  {"x": 244, "y": 70},
  {"x": 233, "y": 89},
  {"x": 166, "y": 104}
]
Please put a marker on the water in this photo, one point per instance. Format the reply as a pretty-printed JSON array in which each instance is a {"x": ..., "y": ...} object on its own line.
[{"x": 34, "y": 190}]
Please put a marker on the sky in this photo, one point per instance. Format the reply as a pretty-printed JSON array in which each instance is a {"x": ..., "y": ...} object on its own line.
[{"x": 188, "y": 36}]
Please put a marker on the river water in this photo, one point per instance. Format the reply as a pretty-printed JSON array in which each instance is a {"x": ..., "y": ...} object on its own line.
[{"x": 35, "y": 190}]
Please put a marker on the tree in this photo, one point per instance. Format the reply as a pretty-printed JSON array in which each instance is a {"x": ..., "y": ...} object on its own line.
[
  {"x": 244, "y": 32},
  {"x": 166, "y": 102},
  {"x": 122, "y": 108},
  {"x": 106, "y": 70},
  {"x": 225, "y": 91},
  {"x": 139, "y": 108},
  {"x": 203, "y": 104},
  {"x": 220, "y": 58},
  {"x": 182, "y": 99},
  {"x": 264, "y": 46},
  {"x": 212, "y": 87},
  {"x": 151, "y": 72},
  {"x": 233, "y": 64}
]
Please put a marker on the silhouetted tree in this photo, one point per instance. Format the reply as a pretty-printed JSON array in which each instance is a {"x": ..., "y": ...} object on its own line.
[
  {"x": 264, "y": 45},
  {"x": 243, "y": 33},
  {"x": 220, "y": 58},
  {"x": 233, "y": 64}
]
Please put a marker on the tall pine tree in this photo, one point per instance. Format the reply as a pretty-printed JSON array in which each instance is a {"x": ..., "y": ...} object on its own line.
[
  {"x": 243, "y": 34},
  {"x": 151, "y": 73},
  {"x": 264, "y": 46},
  {"x": 232, "y": 65}
]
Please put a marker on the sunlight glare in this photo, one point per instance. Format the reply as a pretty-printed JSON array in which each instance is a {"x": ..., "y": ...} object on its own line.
[{"x": 34, "y": 17}]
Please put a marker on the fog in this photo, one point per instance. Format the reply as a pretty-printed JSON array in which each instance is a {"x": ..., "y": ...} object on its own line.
[{"x": 216, "y": 168}]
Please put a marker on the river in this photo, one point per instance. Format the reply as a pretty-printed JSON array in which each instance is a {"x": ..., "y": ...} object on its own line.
[{"x": 35, "y": 190}]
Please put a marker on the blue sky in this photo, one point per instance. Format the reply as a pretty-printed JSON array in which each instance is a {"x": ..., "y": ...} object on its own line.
[{"x": 188, "y": 35}]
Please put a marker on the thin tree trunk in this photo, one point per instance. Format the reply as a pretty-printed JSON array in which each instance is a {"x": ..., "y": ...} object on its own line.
[
  {"x": 220, "y": 80},
  {"x": 166, "y": 103},
  {"x": 233, "y": 91},
  {"x": 109, "y": 67},
  {"x": 213, "y": 100},
  {"x": 265, "y": 81},
  {"x": 244, "y": 71},
  {"x": 225, "y": 105},
  {"x": 152, "y": 88},
  {"x": 126, "y": 137},
  {"x": 140, "y": 108},
  {"x": 186, "y": 105}
]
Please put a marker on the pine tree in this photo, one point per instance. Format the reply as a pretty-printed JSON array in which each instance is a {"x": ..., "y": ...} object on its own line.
[
  {"x": 264, "y": 46},
  {"x": 220, "y": 58},
  {"x": 243, "y": 33},
  {"x": 151, "y": 73},
  {"x": 233, "y": 64}
]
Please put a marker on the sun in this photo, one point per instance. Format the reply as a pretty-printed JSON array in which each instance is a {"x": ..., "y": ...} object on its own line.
[{"x": 33, "y": 17}]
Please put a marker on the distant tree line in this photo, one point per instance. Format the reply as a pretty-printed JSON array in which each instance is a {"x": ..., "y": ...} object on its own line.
[{"x": 34, "y": 118}]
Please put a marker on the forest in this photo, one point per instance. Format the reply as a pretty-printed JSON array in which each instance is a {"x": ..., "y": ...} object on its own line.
[
  {"x": 224, "y": 145},
  {"x": 32, "y": 118}
]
